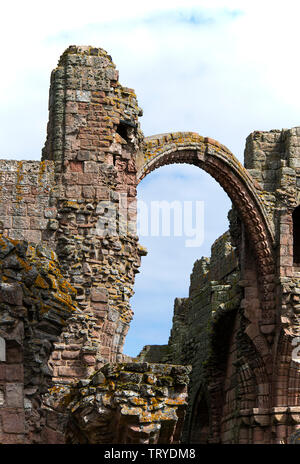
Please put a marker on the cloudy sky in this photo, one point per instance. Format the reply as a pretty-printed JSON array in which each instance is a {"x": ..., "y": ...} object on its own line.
[{"x": 222, "y": 68}]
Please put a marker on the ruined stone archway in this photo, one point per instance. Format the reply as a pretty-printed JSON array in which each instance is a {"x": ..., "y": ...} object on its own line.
[{"x": 221, "y": 164}]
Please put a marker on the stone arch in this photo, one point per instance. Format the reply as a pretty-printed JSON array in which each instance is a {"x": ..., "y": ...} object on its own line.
[
  {"x": 221, "y": 164},
  {"x": 199, "y": 429}
]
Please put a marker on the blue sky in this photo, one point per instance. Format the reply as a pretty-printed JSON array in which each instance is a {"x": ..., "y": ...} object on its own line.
[{"x": 222, "y": 68}]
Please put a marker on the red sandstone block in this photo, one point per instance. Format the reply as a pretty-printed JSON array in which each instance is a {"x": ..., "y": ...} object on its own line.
[
  {"x": 86, "y": 144},
  {"x": 14, "y": 372},
  {"x": 2, "y": 371},
  {"x": 131, "y": 179},
  {"x": 56, "y": 355},
  {"x": 107, "y": 340},
  {"x": 105, "y": 351},
  {"x": 13, "y": 422},
  {"x": 286, "y": 260},
  {"x": 30, "y": 199},
  {"x": 91, "y": 167},
  {"x": 75, "y": 166},
  {"x": 75, "y": 372},
  {"x": 70, "y": 178},
  {"x": 99, "y": 294},
  {"x": 87, "y": 179},
  {"x": 109, "y": 328},
  {"x": 71, "y": 107},
  {"x": 70, "y": 354},
  {"x": 85, "y": 156},
  {"x": 131, "y": 166},
  {"x": 100, "y": 306},
  {"x": 100, "y": 314},
  {"x": 89, "y": 360}
]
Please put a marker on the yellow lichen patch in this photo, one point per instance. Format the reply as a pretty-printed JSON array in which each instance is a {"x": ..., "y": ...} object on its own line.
[
  {"x": 147, "y": 416},
  {"x": 42, "y": 170},
  {"x": 111, "y": 385},
  {"x": 66, "y": 286},
  {"x": 2, "y": 243},
  {"x": 181, "y": 399},
  {"x": 40, "y": 282},
  {"x": 31, "y": 253},
  {"x": 24, "y": 264},
  {"x": 54, "y": 284},
  {"x": 107, "y": 399},
  {"x": 65, "y": 299},
  {"x": 45, "y": 308},
  {"x": 19, "y": 179},
  {"x": 55, "y": 389},
  {"x": 138, "y": 401},
  {"x": 71, "y": 204}
]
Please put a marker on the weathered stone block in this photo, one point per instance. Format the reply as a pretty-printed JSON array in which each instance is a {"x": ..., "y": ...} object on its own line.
[
  {"x": 14, "y": 395},
  {"x": 99, "y": 294},
  {"x": 14, "y": 372},
  {"x": 11, "y": 294},
  {"x": 20, "y": 222},
  {"x": 13, "y": 422}
]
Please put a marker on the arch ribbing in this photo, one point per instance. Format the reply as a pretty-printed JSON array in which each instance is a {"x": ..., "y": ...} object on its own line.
[{"x": 223, "y": 166}]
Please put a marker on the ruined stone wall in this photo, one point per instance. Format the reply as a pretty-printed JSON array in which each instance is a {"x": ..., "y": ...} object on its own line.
[
  {"x": 25, "y": 205},
  {"x": 250, "y": 395},
  {"x": 69, "y": 253},
  {"x": 80, "y": 201},
  {"x": 195, "y": 337},
  {"x": 35, "y": 303},
  {"x": 244, "y": 382}
]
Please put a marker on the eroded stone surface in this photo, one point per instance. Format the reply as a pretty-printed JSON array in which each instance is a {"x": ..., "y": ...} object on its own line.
[
  {"x": 69, "y": 254},
  {"x": 35, "y": 303},
  {"x": 130, "y": 402}
]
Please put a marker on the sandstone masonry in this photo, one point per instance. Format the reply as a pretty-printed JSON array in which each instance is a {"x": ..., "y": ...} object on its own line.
[{"x": 68, "y": 257}]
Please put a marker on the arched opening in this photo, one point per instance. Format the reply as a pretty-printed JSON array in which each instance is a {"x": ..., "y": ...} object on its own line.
[
  {"x": 165, "y": 271},
  {"x": 296, "y": 236},
  {"x": 200, "y": 426}
]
